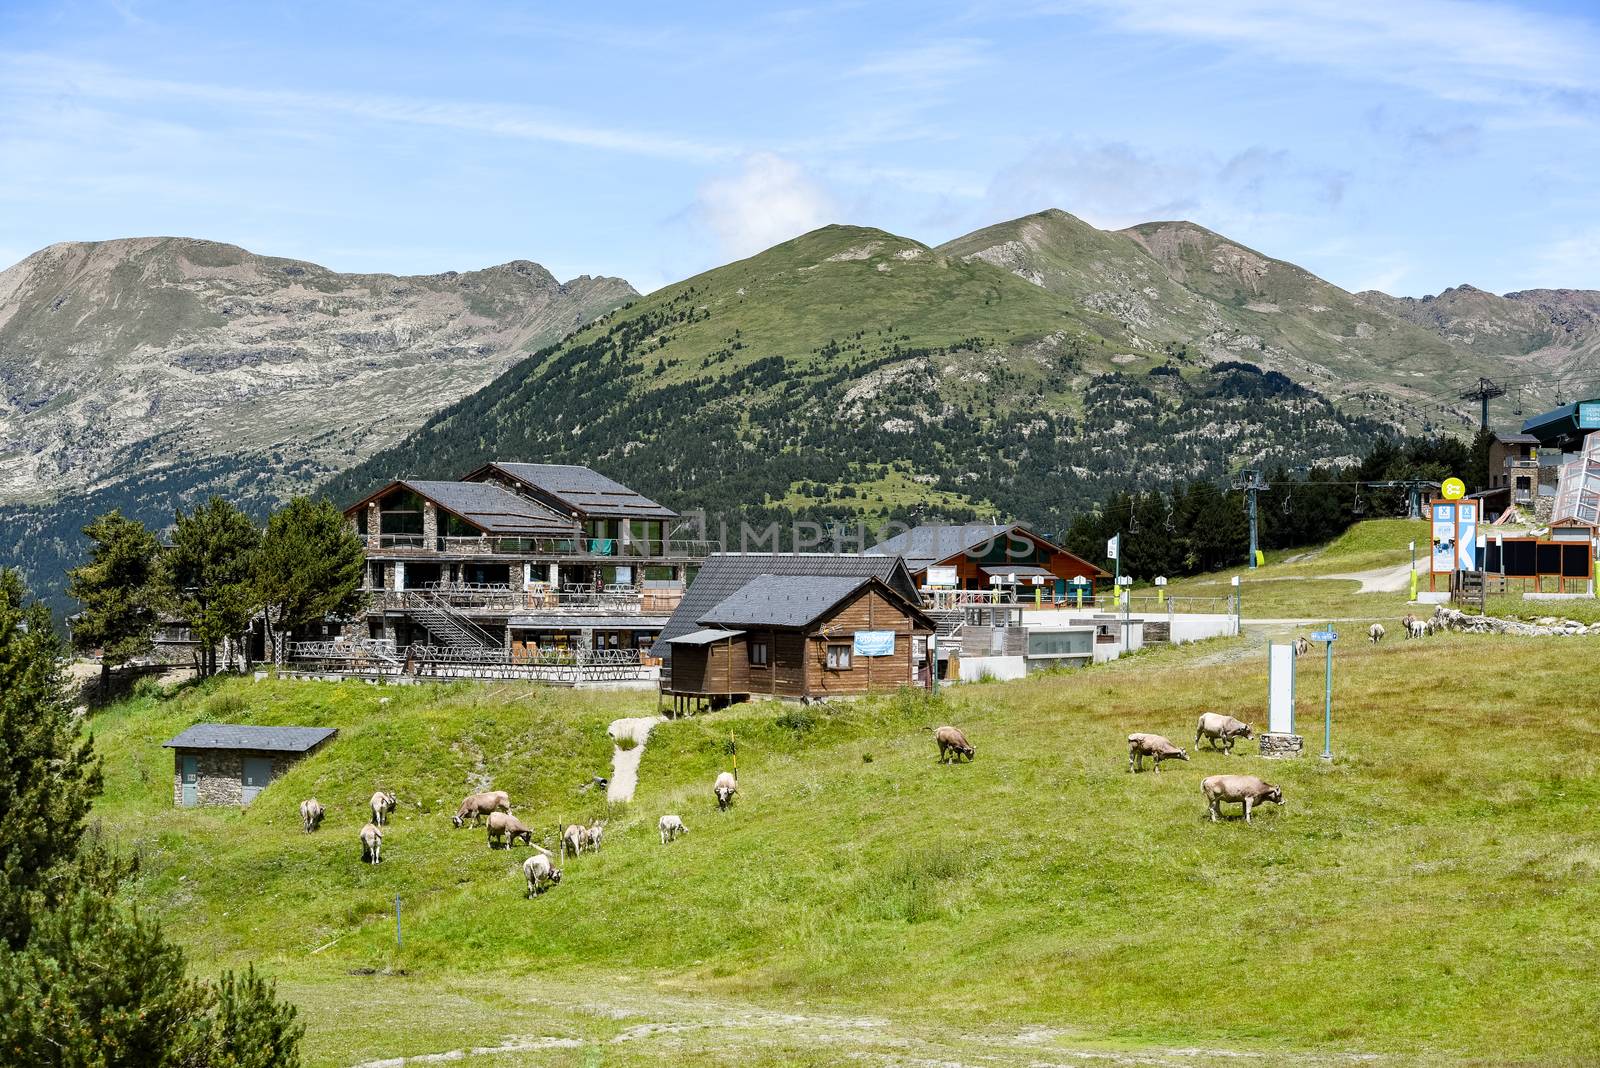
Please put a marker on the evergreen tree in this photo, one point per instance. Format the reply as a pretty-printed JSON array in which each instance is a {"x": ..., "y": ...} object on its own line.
[
  {"x": 83, "y": 982},
  {"x": 47, "y": 776},
  {"x": 308, "y": 566},
  {"x": 208, "y": 575},
  {"x": 115, "y": 591}
]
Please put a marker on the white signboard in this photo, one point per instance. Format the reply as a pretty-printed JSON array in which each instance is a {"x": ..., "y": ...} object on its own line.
[
  {"x": 1280, "y": 689},
  {"x": 1113, "y": 546},
  {"x": 943, "y": 577}
]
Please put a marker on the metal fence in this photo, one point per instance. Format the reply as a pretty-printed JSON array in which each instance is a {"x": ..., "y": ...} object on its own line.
[
  {"x": 558, "y": 666},
  {"x": 643, "y": 549}
]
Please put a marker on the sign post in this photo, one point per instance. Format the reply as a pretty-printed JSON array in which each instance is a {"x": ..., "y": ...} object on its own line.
[
  {"x": 1114, "y": 554},
  {"x": 399, "y": 937},
  {"x": 1327, "y": 637},
  {"x": 1279, "y": 739},
  {"x": 1127, "y": 606},
  {"x": 1238, "y": 608},
  {"x": 1078, "y": 583}
]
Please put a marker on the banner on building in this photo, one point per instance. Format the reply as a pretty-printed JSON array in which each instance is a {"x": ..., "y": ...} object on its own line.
[
  {"x": 942, "y": 577},
  {"x": 874, "y": 643}
]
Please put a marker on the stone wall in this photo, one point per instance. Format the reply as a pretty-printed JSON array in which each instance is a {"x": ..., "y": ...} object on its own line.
[
  {"x": 219, "y": 773},
  {"x": 1281, "y": 745}
]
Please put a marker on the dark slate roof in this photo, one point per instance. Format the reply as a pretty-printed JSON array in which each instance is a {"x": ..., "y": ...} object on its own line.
[
  {"x": 783, "y": 600},
  {"x": 1517, "y": 439},
  {"x": 238, "y": 736},
  {"x": 495, "y": 509},
  {"x": 585, "y": 491},
  {"x": 1019, "y": 570},
  {"x": 929, "y": 544},
  {"x": 724, "y": 574}
]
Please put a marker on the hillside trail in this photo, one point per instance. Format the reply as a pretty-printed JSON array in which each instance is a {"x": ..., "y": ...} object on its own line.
[
  {"x": 1380, "y": 579},
  {"x": 664, "y": 1027},
  {"x": 625, "y": 762}
]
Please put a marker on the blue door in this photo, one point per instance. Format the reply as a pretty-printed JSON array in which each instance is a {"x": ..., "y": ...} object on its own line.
[
  {"x": 191, "y": 781},
  {"x": 257, "y": 773}
]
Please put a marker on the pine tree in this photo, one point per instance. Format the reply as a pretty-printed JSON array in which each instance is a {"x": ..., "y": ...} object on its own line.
[
  {"x": 308, "y": 566},
  {"x": 47, "y": 776},
  {"x": 207, "y": 575},
  {"x": 115, "y": 592},
  {"x": 82, "y": 980}
]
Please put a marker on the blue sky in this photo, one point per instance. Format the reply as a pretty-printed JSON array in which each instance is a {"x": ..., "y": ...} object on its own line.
[{"x": 1407, "y": 145}]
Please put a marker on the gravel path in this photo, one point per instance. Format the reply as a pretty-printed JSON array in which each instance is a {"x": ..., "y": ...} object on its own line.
[{"x": 625, "y": 762}]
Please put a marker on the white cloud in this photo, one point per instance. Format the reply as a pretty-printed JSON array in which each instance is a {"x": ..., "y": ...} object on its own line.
[
  {"x": 924, "y": 66},
  {"x": 49, "y": 76},
  {"x": 1471, "y": 50},
  {"x": 769, "y": 200},
  {"x": 1570, "y": 261}
]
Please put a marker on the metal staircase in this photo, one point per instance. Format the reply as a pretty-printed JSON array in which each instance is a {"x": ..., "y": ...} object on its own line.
[
  {"x": 949, "y": 623},
  {"x": 448, "y": 625}
]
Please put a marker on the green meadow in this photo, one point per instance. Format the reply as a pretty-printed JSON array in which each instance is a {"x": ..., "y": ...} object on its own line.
[{"x": 1428, "y": 896}]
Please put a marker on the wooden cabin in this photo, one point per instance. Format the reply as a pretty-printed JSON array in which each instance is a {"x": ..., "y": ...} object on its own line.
[{"x": 801, "y": 636}]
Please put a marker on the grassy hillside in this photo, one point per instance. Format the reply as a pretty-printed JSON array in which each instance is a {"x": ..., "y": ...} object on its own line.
[
  {"x": 1444, "y": 864},
  {"x": 851, "y": 357}
]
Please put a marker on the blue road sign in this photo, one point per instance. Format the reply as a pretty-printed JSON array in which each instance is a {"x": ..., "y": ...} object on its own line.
[{"x": 1324, "y": 635}]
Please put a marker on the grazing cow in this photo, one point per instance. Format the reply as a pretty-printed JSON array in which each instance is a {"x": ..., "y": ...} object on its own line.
[
  {"x": 1301, "y": 646},
  {"x": 1153, "y": 746},
  {"x": 953, "y": 745},
  {"x": 477, "y": 806},
  {"x": 540, "y": 872},
  {"x": 383, "y": 804},
  {"x": 505, "y": 828},
  {"x": 1376, "y": 633},
  {"x": 593, "y": 834},
  {"x": 1244, "y": 789},
  {"x": 726, "y": 786},
  {"x": 311, "y": 814},
  {"x": 574, "y": 838},
  {"x": 1416, "y": 629},
  {"x": 371, "y": 844},
  {"x": 1220, "y": 729},
  {"x": 670, "y": 827}
]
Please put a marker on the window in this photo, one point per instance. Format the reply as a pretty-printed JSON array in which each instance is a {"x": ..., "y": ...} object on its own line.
[
  {"x": 758, "y": 653},
  {"x": 838, "y": 658}
]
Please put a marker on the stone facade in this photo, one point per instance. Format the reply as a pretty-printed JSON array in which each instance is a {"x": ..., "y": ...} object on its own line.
[
  {"x": 1281, "y": 745},
  {"x": 219, "y": 773}
]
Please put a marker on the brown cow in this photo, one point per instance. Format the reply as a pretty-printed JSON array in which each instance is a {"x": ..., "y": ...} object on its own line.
[
  {"x": 953, "y": 744},
  {"x": 1153, "y": 746},
  {"x": 505, "y": 828},
  {"x": 478, "y": 806},
  {"x": 1244, "y": 789},
  {"x": 1221, "y": 730}
]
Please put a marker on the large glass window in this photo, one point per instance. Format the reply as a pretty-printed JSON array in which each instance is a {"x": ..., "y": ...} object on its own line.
[{"x": 838, "y": 658}]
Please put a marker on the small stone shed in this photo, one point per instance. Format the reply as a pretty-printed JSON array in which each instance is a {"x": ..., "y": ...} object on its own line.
[{"x": 229, "y": 764}]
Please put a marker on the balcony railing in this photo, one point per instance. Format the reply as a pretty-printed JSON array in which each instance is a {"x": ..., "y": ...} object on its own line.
[
  {"x": 619, "y": 599},
  {"x": 554, "y": 548}
]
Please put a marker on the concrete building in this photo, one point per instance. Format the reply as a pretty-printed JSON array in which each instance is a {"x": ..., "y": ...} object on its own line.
[{"x": 229, "y": 764}]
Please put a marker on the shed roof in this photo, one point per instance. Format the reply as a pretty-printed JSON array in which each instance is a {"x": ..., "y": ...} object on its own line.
[
  {"x": 724, "y": 574},
  {"x": 784, "y": 600},
  {"x": 242, "y": 736},
  {"x": 1516, "y": 439},
  {"x": 1019, "y": 570},
  {"x": 580, "y": 489}
]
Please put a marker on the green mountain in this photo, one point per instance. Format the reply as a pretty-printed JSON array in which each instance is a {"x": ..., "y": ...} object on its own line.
[{"x": 853, "y": 371}]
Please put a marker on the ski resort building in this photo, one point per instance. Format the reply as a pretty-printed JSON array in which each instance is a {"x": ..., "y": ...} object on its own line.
[
  {"x": 548, "y": 571},
  {"x": 1007, "y": 559}
]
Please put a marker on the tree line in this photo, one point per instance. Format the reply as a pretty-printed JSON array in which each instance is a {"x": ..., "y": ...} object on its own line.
[
  {"x": 84, "y": 979},
  {"x": 218, "y": 573},
  {"x": 1199, "y": 526}
]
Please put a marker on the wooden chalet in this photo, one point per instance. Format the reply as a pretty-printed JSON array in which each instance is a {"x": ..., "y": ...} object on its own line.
[
  {"x": 984, "y": 556},
  {"x": 521, "y": 561},
  {"x": 800, "y": 636}
]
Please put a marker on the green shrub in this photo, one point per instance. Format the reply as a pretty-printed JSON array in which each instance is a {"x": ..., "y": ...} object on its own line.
[{"x": 797, "y": 720}]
